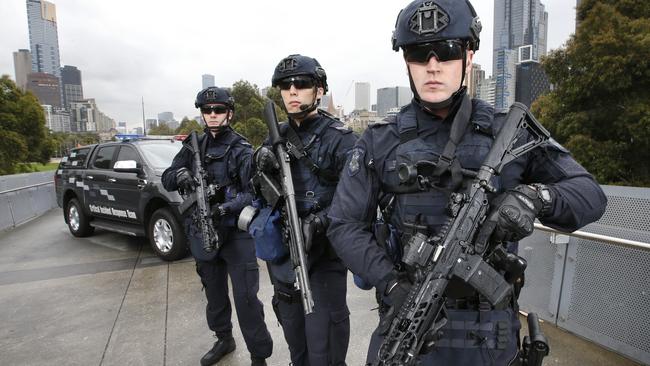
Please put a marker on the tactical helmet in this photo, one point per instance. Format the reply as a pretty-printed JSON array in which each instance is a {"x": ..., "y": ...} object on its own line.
[
  {"x": 425, "y": 21},
  {"x": 294, "y": 65},
  {"x": 214, "y": 95}
]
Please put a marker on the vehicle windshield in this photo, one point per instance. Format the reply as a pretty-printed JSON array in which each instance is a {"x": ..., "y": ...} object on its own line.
[{"x": 160, "y": 155}]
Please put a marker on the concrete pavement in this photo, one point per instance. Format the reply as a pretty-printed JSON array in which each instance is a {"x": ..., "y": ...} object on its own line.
[{"x": 107, "y": 300}]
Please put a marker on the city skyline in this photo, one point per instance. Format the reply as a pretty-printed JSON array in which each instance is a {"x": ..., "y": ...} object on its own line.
[{"x": 119, "y": 71}]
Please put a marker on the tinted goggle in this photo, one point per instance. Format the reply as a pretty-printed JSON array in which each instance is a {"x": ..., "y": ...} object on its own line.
[
  {"x": 441, "y": 50},
  {"x": 218, "y": 109},
  {"x": 299, "y": 82}
]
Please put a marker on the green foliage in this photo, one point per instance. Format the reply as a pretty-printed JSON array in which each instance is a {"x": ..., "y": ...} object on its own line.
[
  {"x": 600, "y": 106},
  {"x": 161, "y": 129},
  {"x": 274, "y": 95},
  {"x": 187, "y": 126},
  {"x": 62, "y": 142},
  {"x": 23, "y": 132},
  {"x": 254, "y": 130}
]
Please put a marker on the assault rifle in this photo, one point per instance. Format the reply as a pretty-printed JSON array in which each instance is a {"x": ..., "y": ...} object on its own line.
[
  {"x": 454, "y": 250},
  {"x": 296, "y": 240},
  {"x": 201, "y": 195}
]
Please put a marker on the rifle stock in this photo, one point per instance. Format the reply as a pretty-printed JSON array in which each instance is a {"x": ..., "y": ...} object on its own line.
[{"x": 296, "y": 240}]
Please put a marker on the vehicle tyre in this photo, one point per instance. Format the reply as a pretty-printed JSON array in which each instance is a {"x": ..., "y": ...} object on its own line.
[
  {"x": 77, "y": 219},
  {"x": 166, "y": 235}
]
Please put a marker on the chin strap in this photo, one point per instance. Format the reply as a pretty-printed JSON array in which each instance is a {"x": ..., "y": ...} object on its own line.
[
  {"x": 305, "y": 109},
  {"x": 217, "y": 129}
]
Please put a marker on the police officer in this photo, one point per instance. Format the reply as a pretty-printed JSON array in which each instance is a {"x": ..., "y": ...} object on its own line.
[
  {"x": 318, "y": 146},
  {"x": 438, "y": 39},
  {"x": 226, "y": 158}
]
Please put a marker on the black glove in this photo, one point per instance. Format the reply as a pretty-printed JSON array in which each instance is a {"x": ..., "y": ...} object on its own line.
[
  {"x": 513, "y": 213},
  {"x": 218, "y": 211},
  {"x": 266, "y": 161},
  {"x": 312, "y": 225},
  {"x": 394, "y": 288},
  {"x": 186, "y": 183}
]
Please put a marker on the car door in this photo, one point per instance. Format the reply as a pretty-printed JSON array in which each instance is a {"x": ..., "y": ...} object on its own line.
[
  {"x": 100, "y": 196},
  {"x": 127, "y": 186}
]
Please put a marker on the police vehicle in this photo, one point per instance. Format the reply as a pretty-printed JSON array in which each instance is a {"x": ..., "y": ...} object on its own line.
[{"x": 116, "y": 186}]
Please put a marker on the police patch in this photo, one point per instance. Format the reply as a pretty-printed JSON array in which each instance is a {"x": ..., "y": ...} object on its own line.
[
  {"x": 354, "y": 165},
  {"x": 429, "y": 18}
]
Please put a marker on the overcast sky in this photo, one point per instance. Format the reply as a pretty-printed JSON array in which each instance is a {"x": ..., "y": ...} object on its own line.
[{"x": 128, "y": 49}]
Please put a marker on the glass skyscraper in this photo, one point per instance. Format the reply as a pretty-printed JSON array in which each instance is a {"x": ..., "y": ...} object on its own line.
[{"x": 43, "y": 37}]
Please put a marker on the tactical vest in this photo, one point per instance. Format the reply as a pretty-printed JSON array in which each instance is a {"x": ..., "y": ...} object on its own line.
[
  {"x": 314, "y": 174},
  {"x": 424, "y": 210},
  {"x": 219, "y": 164}
]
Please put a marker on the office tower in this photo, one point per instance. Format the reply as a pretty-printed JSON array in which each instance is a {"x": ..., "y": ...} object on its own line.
[
  {"x": 207, "y": 80},
  {"x": 473, "y": 78},
  {"x": 486, "y": 90},
  {"x": 151, "y": 123},
  {"x": 43, "y": 38},
  {"x": 56, "y": 119},
  {"x": 531, "y": 82},
  {"x": 46, "y": 88},
  {"x": 516, "y": 23},
  {"x": 165, "y": 117},
  {"x": 392, "y": 97},
  {"x": 327, "y": 104},
  {"x": 22, "y": 67},
  {"x": 505, "y": 78},
  {"x": 71, "y": 81},
  {"x": 362, "y": 96}
]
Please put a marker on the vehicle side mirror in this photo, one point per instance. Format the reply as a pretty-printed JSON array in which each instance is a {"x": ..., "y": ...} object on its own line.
[{"x": 126, "y": 166}]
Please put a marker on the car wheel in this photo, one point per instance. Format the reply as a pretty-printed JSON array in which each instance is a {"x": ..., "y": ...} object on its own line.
[
  {"x": 166, "y": 235},
  {"x": 77, "y": 219}
]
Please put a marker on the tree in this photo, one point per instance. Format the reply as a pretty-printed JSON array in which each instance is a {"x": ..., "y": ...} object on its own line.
[
  {"x": 254, "y": 130},
  {"x": 187, "y": 126},
  {"x": 599, "y": 108},
  {"x": 25, "y": 137},
  {"x": 161, "y": 129}
]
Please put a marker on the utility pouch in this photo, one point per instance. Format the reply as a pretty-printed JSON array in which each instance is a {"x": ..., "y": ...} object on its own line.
[{"x": 267, "y": 234}]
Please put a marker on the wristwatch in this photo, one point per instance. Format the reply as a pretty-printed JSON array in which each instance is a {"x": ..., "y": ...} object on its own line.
[{"x": 545, "y": 195}]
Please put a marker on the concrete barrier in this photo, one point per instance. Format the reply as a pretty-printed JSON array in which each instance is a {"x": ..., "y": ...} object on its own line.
[{"x": 24, "y": 197}]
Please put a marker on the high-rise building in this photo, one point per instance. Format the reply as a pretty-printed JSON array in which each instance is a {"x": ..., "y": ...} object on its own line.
[
  {"x": 486, "y": 90},
  {"x": 165, "y": 117},
  {"x": 531, "y": 82},
  {"x": 43, "y": 38},
  {"x": 71, "y": 82},
  {"x": 45, "y": 87},
  {"x": 362, "y": 96},
  {"x": 516, "y": 23},
  {"x": 392, "y": 97},
  {"x": 473, "y": 79},
  {"x": 327, "y": 104},
  {"x": 207, "y": 80},
  {"x": 86, "y": 117},
  {"x": 56, "y": 119},
  {"x": 505, "y": 78},
  {"x": 22, "y": 67},
  {"x": 151, "y": 123}
]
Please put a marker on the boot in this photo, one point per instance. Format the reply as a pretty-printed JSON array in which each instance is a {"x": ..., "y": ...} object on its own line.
[
  {"x": 257, "y": 361},
  {"x": 221, "y": 348}
]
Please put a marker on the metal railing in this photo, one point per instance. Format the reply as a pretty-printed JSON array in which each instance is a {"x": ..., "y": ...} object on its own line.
[{"x": 597, "y": 237}]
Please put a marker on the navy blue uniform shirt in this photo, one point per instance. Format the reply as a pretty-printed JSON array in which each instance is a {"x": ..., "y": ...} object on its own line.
[{"x": 578, "y": 200}]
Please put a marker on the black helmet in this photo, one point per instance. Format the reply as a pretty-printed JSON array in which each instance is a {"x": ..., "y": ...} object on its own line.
[
  {"x": 436, "y": 20},
  {"x": 214, "y": 95},
  {"x": 294, "y": 65}
]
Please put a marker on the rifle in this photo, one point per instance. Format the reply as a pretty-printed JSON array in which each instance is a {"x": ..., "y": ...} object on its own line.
[
  {"x": 201, "y": 195},
  {"x": 453, "y": 251},
  {"x": 296, "y": 240}
]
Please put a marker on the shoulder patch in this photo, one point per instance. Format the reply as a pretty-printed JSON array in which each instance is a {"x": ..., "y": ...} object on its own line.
[{"x": 356, "y": 159}]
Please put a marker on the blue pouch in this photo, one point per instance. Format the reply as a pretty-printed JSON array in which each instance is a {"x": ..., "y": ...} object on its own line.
[{"x": 267, "y": 234}]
